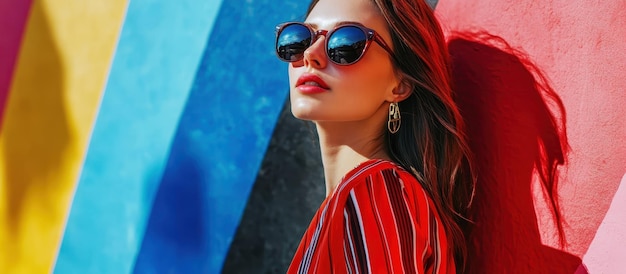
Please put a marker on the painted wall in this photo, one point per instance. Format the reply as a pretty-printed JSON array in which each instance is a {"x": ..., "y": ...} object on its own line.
[
  {"x": 59, "y": 60},
  {"x": 515, "y": 122},
  {"x": 147, "y": 136}
]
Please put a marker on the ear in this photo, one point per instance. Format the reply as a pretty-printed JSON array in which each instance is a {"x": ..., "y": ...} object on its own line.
[{"x": 402, "y": 91}]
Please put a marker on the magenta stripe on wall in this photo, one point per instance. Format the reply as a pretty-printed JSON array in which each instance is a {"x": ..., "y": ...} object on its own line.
[{"x": 13, "y": 15}]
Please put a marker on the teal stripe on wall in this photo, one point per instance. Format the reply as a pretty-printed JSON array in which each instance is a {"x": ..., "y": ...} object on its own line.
[
  {"x": 222, "y": 136},
  {"x": 160, "y": 48}
]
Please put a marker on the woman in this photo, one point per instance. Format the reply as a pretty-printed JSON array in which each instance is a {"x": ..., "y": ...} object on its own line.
[{"x": 373, "y": 77}]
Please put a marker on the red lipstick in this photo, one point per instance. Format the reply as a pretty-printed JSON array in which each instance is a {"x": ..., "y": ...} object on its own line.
[{"x": 311, "y": 83}]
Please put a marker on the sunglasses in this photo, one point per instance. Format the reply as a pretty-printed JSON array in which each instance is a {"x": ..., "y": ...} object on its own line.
[{"x": 345, "y": 44}]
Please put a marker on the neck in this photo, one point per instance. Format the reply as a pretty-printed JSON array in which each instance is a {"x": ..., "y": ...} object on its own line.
[{"x": 346, "y": 145}]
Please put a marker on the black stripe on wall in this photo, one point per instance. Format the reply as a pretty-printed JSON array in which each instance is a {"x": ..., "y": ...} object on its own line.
[{"x": 288, "y": 190}]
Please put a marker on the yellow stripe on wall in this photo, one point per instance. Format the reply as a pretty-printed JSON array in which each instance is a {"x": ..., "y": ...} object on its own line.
[{"x": 60, "y": 75}]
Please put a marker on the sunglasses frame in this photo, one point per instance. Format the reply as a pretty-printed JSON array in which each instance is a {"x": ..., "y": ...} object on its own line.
[{"x": 370, "y": 35}]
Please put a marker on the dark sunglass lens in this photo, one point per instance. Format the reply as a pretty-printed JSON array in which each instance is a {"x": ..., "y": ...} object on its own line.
[
  {"x": 292, "y": 41},
  {"x": 346, "y": 44}
]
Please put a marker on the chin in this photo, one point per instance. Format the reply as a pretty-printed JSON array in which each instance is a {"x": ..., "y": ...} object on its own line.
[
  {"x": 303, "y": 109},
  {"x": 302, "y": 115}
]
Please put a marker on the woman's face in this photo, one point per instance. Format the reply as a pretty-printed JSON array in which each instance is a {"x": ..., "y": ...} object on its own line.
[{"x": 354, "y": 92}]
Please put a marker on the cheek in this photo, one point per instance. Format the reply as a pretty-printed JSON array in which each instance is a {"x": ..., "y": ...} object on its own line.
[
  {"x": 372, "y": 78},
  {"x": 292, "y": 75}
]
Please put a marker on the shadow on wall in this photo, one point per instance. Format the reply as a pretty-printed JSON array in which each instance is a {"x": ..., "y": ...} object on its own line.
[
  {"x": 516, "y": 129},
  {"x": 175, "y": 238},
  {"x": 36, "y": 134}
]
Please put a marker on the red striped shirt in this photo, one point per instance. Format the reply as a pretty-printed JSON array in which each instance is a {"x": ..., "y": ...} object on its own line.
[{"x": 378, "y": 220}]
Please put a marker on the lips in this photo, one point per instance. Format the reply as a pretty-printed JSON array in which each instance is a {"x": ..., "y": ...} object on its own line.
[{"x": 311, "y": 83}]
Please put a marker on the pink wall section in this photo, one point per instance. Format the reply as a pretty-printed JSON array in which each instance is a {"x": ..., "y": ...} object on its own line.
[
  {"x": 13, "y": 15},
  {"x": 515, "y": 126},
  {"x": 606, "y": 254}
]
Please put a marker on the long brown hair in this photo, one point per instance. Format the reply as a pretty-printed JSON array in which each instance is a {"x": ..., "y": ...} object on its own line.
[{"x": 431, "y": 141}]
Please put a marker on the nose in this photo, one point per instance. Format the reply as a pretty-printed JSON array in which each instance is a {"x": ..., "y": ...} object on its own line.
[{"x": 315, "y": 55}]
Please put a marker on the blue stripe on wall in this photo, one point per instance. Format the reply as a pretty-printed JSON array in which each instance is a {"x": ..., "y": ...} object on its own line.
[
  {"x": 159, "y": 51},
  {"x": 237, "y": 95}
]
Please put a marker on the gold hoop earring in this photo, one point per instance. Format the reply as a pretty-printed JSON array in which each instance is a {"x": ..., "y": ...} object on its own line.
[{"x": 393, "y": 124}]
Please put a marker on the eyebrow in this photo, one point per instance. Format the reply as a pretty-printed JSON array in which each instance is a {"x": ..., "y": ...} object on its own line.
[{"x": 340, "y": 23}]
